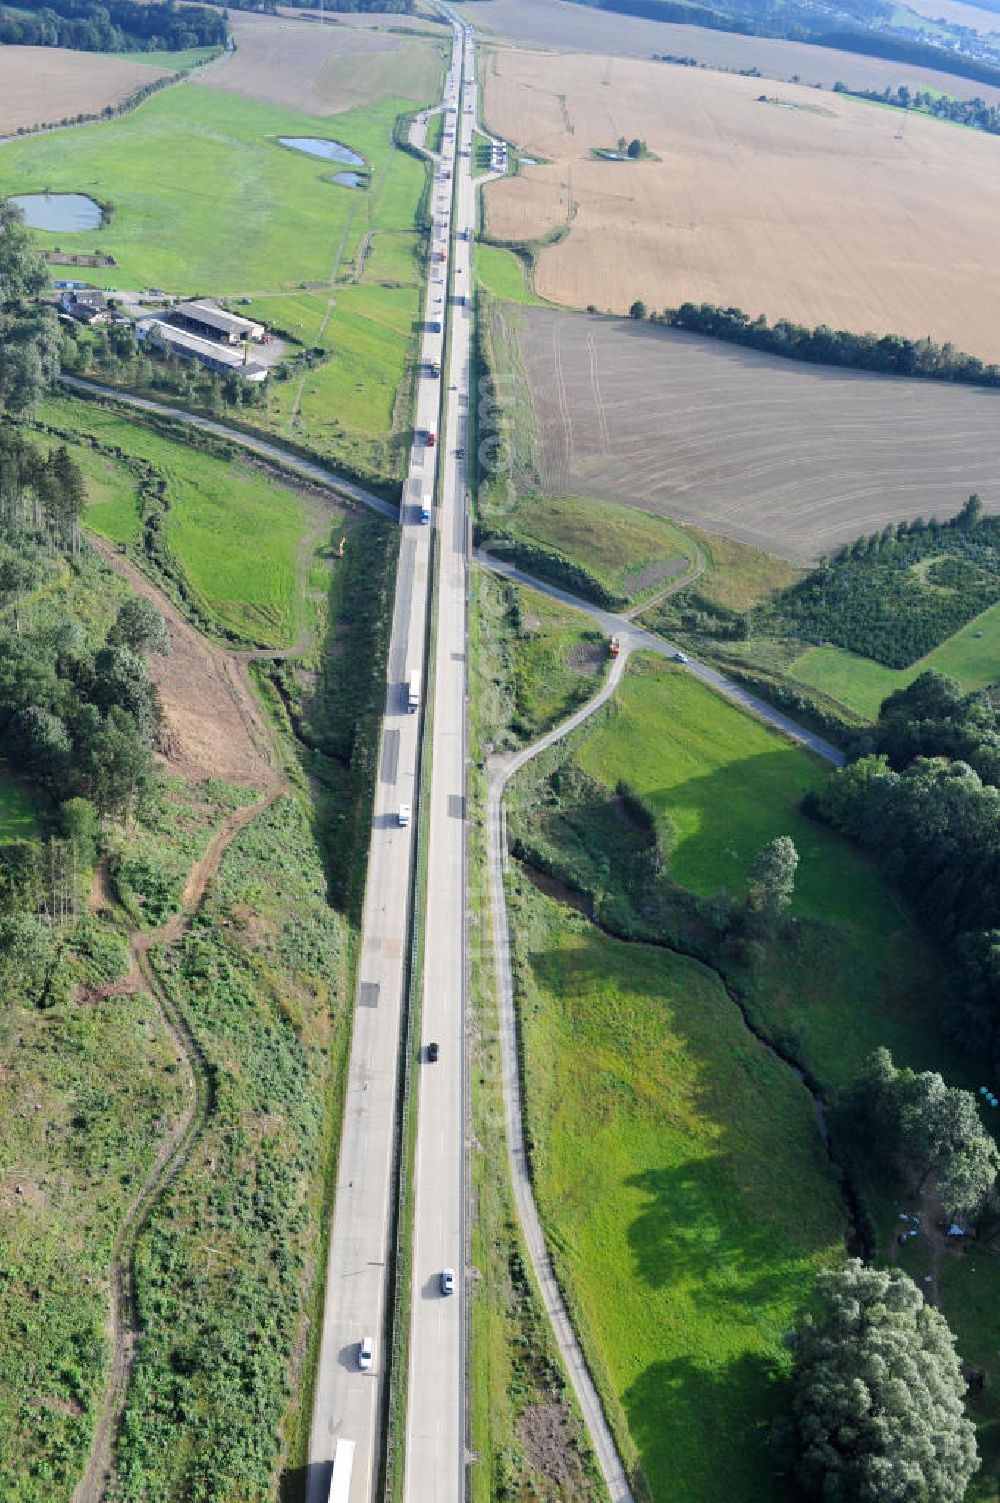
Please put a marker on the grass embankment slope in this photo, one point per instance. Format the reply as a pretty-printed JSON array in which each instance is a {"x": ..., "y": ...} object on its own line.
[
  {"x": 715, "y": 1198},
  {"x": 234, "y": 531}
]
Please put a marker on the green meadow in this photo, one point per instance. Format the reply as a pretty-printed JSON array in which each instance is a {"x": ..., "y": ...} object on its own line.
[
  {"x": 234, "y": 531},
  {"x": 686, "y": 1193},
  {"x": 502, "y": 274},
  {"x": 972, "y": 656}
]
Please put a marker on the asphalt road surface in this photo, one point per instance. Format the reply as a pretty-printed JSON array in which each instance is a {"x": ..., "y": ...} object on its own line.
[
  {"x": 348, "y": 1402},
  {"x": 436, "y": 1421}
]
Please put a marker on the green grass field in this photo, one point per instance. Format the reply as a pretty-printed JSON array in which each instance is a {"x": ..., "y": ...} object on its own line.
[
  {"x": 18, "y": 814},
  {"x": 624, "y": 549},
  {"x": 739, "y": 576},
  {"x": 503, "y": 274},
  {"x": 972, "y": 656},
  {"x": 687, "y": 1194},
  {"x": 721, "y": 785},
  {"x": 207, "y": 201},
  {"x": 112, "y": 502},
  {"x": 559, "y": 660},
  {"x": 174, "y": 62},
  {"x": 234, "y": 531}
]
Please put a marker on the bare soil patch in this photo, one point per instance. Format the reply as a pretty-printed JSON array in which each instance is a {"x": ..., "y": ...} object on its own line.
[
  {"x": 546, "y": 1432},
  {"x": 654, "y": 574},
  {"x": 834, "y": 215},
  {"x": 212, "y": 725},
  {"x": 570, "y": 27},
  {"x": 587, "y": 657},
  {"x": 42, "y": 85},
  {"x": 322, "y": 69},
  {"x": 793, "y": 458}
]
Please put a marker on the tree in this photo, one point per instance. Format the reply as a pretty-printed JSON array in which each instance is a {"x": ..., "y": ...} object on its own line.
[
  {"x": 971, "y": 514},
  {"x": 81, "y": 828},
  {"x": 634, "y": 148},
  {"x": 41, "y": 744},
  {"x": 29, "y": 329},
  {"x": 140, "y": 626},
  {"x": 772, "y": 879},
  {"x": 638, "y": 309},
  {"x": 877, "y": 1412}
]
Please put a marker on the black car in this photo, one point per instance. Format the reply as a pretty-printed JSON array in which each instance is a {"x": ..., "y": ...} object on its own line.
[
  {"x": 433, "y": 1050},
  {"x": 460, "y": 452}
]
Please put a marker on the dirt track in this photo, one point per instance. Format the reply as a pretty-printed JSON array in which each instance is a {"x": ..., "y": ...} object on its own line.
[
  {"x": 804, "y": 205},
  {"x": 790, "y": 457}
]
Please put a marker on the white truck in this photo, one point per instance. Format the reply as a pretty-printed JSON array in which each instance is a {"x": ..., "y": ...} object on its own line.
[
  {"x": 340, "y": 1477},
  {"x": 413, "y": 691}
]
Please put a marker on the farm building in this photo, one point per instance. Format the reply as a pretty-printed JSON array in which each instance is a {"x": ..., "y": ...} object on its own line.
[
  {"x": 86, "y": 305},
  {"x": 210, "y": 322},
  {"x": 189, "y": 346}
]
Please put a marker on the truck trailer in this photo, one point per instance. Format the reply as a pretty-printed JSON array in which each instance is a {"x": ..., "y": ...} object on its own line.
[{"x": 413, "y": 691}]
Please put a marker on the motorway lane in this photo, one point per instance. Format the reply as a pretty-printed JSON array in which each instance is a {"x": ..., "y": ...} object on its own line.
[
  {"x": 347, "y": 1401},
  {"x": 436, "y": 1425}
]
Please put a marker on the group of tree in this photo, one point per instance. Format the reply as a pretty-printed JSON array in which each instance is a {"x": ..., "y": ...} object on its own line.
[
  {"x": 874, "y": 599},
  {"x": 633, "y": 149},
  {"x": 112, "y": 25},
  {"x": 888, "y": 354},
  {"x": 929, "y": 1130},
  {"x": 114, "y": 354},
  {"x": 975, "y": 113},
  {"x": 922, "y": 795},
  {"x": 29, "y": 331}
]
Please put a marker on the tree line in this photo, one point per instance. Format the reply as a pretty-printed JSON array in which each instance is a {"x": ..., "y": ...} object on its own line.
[
  {"x": 112, "y": 25},
  {"x": 886, "y": 354},
  {"x": 975, "y": 113}
]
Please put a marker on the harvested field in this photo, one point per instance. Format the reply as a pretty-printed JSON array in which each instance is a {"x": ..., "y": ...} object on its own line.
[
  {"x": 43, "y": 85},
  {"x": 793, "y": 458},
  {"x": 578, "y": 28},
  {"x": 824, "y": 211},
  {"x": 323, "y": 70}
]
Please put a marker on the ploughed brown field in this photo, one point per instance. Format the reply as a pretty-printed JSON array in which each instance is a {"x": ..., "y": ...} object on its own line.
[
  {"x": 793, "y": 458},
  {"x": 324, "y": 68},
  {"x": 808, "y": 206},
  {"x": 43, "y": 85},
  {"x": 580, "y": 28}
]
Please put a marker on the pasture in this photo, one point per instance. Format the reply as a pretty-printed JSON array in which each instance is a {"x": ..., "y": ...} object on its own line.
[
  {"x": 567, "y": 27},
  {"x": 686, "y": 1192},
  {"x": 206, "y": 199},
  {"x": 502, "y": 274},
  {"x": 972, "y": 656},
  {"x": 325, "y": 70},
  {"x": 233, "y": 530},
  {"x": 43, "y": 85},
  {"x": 792, "y": 458},
  {"x": 813, "y": 212}
]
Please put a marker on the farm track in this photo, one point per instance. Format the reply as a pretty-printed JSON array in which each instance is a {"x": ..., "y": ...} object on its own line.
[{"x": 173, "y": 1153}]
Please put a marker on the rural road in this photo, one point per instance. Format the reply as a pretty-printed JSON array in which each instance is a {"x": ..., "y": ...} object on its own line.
[
  {"x": 348, "y": 1403},
  {"x": 500, "y": 771},
  {"x": 288, "y": 460},
  {"x": 634, "y": 638},
  {"x": 435, "y": 1449}
]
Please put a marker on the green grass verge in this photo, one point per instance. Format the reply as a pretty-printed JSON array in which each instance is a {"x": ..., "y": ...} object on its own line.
[
  {"x": 972, "y": 656},
  {"x": 685, "y": 1190},
  {"x": 435, "y": 131},
  {"x": 631, "y": 554},
  {"x": 233, "y": 530},
  {"x": 173, "y": 62}
]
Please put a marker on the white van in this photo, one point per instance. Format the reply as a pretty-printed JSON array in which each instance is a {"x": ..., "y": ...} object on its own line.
[{"x": 404, "y": 815}]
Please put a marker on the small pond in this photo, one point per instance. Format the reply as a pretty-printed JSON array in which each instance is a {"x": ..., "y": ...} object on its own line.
[
  {"x": 330, "y": 151},
  {"x": 528, "y": 161},
  {"x": 348, "y": 179},
  {"x": 59, "y": 211}
]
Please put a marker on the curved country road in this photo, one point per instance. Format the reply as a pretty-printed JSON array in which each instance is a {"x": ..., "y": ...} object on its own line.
[{"x": 294, "y": 463}]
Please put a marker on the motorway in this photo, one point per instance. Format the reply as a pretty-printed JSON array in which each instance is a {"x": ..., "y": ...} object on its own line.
[
  {"x": 435, "y": 1430},
  {"x": 348, "y": 1402}
]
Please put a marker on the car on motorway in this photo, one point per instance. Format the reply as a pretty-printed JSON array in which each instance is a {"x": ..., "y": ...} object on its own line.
[
  {"x": 404, "y": 816},
  {"x": 460, "y": 454},
  {"x": 433, "y": 1050},
  {"x": 366, "y": 1353},
  {"x": 681, "y": 657},
  {"x": 447, "y": 1281}
]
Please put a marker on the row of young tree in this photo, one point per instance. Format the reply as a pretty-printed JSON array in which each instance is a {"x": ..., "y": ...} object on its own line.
[
  {"x": 972, "y": 112},
  {"x": 112, "y": 25},
  {"x": 886, "y": 354},
  {"x": 895, "y": 595}
]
